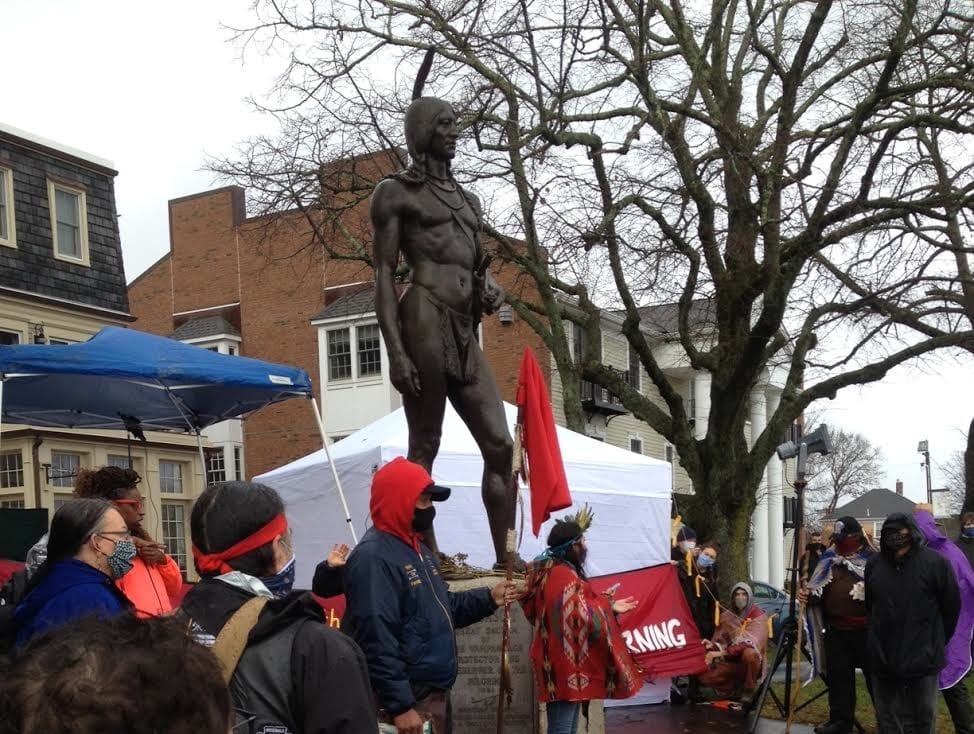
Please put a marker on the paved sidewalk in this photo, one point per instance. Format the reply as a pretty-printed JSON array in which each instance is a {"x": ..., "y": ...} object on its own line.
[{"x": 666, "y": 719}]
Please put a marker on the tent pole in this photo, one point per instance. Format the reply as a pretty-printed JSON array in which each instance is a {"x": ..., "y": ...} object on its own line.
[
  {"x": 334, "y": 471},
  {"x": 199, "y": 447}
]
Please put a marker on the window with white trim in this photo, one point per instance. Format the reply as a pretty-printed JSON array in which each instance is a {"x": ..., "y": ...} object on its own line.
[
  {"x": 216, "y": 469},
  {"x": 7, "y": 338},
  {"x": 12, "y": 502},
  {"x": 669, "y": 453},
  {"x": 174, "y": 531},
  {"x": 11, "y": 469},
  {"x": 8, "y": 226},
  {"x": 238, "y": 463},
  {"x": 64, "y": 468},
  {"x": 339, "y": 354},
  {"x": 369, "y": 343},
  {"x": 170, "y": 477},
  {"x": 119, "y": 460},
  {"x": 635, "y": 372},
  {"x": 69, "y": 222},
  {"x": 635, "y": 443}
]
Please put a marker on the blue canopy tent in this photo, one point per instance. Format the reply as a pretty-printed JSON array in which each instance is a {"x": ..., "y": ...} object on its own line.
[
  {"x": 129, "y": 380},
  {"x": 122, "y": 379}
]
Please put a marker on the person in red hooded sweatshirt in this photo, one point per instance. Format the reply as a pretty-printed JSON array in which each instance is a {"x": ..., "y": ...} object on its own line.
[{"x": 398, "y": 607}]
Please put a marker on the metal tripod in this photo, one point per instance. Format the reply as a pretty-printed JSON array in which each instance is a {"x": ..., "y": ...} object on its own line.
[{"x": 785, "y": 651}]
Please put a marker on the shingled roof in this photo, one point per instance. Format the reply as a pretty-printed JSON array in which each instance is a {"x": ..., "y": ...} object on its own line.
[
  {"x": 663, "y": 319},
  {"x": 351, "y": 304},
  {"x": 876, "y": 503},
  {"x": 204, "y": 327}
]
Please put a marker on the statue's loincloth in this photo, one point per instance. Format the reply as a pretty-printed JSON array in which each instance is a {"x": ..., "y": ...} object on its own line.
[{"x": 457, "y": 339}]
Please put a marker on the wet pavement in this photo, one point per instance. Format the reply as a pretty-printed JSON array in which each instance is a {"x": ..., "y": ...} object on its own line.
[{"x": 702, "y": 719}]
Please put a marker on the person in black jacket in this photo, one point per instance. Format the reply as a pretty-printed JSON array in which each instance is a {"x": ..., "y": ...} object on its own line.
[
  {"x": 913, "y": 604},
  {"x": 296, "y": 673},
  {"x": 328, "y": 579},
  {"x": 398, "y": 607}
]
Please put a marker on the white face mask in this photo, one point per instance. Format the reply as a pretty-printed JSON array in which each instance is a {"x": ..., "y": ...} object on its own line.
[
  {"x": 688, "y": 545},
  {"x": 740, "y": 601}
]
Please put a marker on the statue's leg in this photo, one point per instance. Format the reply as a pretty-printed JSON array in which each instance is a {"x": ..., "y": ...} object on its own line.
[
  {"x": 424, "y": 413},
  {"x": 481, "y": 408}
]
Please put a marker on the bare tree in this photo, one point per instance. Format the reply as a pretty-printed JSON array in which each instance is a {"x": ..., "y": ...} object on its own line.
[
  {"x": 760, "y": 157},
  {"x": 955, "y": 477},
  {"x": 853, "y": 467}
]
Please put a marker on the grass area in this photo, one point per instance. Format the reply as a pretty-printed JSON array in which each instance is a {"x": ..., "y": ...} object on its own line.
[{"x": 818, "y": 711}]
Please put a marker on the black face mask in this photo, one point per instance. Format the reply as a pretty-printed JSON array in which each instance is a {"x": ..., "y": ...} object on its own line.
[
  {"x": 423, "y": 519},
  {"x": 815, "y": 547},
  {"x": 891, "y": 540}
]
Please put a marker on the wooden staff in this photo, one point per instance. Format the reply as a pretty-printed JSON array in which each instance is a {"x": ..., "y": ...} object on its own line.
[{"x": 506, "y": 692}]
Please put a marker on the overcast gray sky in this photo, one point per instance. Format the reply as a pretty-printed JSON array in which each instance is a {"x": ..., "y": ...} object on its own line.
[{"x": 156, "y": 87}]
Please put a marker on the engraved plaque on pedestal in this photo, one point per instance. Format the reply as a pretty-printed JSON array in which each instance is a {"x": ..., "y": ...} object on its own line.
[{"x": 478, "y": 683}]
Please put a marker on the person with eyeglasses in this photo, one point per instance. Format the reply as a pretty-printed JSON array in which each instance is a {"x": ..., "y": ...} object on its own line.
[
  {"x": 89, "y": 549},
  {"x": 155, "y": 578}
]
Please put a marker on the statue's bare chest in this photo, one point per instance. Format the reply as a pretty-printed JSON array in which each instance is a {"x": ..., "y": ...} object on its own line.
[{"x": 435, "y": 205}]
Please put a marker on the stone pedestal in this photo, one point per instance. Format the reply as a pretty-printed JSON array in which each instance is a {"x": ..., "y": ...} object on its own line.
[
  {"x": 478, "y": 683},
  {"x": 475, "y": 693}
]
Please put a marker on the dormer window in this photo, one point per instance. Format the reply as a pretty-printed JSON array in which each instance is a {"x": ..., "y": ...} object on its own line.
[
  {"x": 69, "y": 222},
  {"x": 8, "y": 231}
]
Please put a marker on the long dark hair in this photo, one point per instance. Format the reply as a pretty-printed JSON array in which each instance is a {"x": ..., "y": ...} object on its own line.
[
  {"x": 228, "y": 512},
  {"x": 72, "y": 525}
]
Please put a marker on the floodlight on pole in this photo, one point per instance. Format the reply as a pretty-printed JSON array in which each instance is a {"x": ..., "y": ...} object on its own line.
[
  {"x": 816, "y": 442},
  {"x": 924, "y": 448}
]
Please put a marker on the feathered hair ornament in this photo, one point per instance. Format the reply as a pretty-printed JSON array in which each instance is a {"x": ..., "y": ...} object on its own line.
[
  {"x": 568, "y": 530},
  {"x": 583, "y": 518}
]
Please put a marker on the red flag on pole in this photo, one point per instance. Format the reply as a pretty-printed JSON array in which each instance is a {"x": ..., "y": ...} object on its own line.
[{"x": 546, "y": 472}]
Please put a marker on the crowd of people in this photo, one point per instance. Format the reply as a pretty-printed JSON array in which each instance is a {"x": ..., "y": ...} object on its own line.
[
  {"x": 99, "y": 646},
  {"x": 901, "y": 613}
]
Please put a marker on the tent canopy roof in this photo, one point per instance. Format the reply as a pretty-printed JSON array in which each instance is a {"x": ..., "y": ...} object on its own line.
[
  {"x": 585, "y": 458},
  {"x": 122, "y": 378},
  {"x": 629, "y": 493}
]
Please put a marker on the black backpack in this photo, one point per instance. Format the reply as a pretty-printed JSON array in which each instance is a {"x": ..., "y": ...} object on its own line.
[{"x": 11, "y": 594}]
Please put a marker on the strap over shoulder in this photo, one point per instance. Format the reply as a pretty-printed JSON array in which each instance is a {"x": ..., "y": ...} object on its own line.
[{"x": 232, "y": 640}]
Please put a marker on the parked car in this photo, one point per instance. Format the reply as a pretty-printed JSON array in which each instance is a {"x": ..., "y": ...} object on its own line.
[{"x": 775, "y": 603}]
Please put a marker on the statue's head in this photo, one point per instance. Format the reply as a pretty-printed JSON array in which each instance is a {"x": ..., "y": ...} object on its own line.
[{"x": 431, "y": 130}]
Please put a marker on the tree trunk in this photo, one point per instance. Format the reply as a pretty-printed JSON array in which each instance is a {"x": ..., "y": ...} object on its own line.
[{"x": 734, "y": 546}]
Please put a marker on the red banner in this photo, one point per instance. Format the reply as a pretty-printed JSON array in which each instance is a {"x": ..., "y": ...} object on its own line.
[{"x": 660, "y": 632}]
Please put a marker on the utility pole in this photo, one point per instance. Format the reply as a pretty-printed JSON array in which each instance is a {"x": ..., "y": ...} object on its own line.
[{"x": 924, "y": 448}]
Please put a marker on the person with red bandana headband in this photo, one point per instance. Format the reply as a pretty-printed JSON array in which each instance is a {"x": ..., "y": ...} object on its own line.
[
  {"x": 398, "y": 607},
  {"x": 836, "y": 600},
  {"x": 295, "y": 673}
]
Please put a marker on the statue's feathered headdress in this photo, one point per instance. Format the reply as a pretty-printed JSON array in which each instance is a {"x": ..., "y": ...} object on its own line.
[{"x": 423, "y": 73}]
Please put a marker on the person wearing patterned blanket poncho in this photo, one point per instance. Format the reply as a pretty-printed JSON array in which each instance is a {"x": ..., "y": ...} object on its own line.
[
  {"x": 737, "y": 652},
  {"x": 577, "y": 651},
  {"x": 836, "y": 620}
]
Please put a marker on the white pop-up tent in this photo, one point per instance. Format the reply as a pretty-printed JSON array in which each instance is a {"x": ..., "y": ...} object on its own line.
[{"x": 629, "y": 494}]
